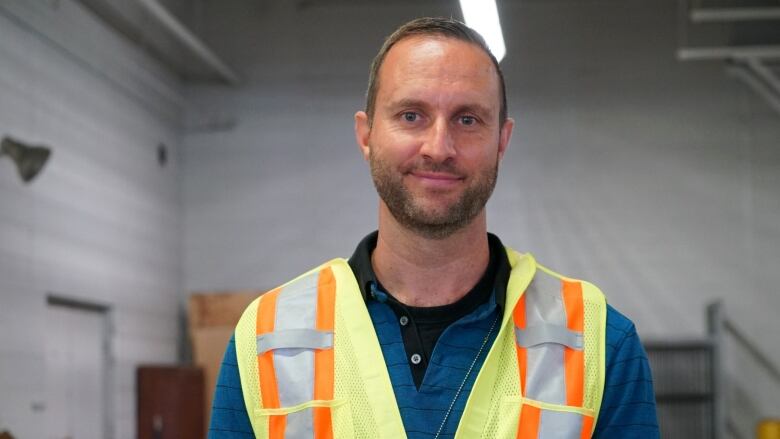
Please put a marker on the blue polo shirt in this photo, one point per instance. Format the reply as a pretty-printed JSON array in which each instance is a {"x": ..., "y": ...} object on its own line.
[{"x": 432, "y": 402}]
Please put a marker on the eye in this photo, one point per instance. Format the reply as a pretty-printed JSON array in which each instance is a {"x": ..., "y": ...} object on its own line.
[
  {"x": 468, "y": 120},
  {"x": 410, "y": 116}
]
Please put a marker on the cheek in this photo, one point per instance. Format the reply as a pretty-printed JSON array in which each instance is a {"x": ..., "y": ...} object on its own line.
[
  {"x": 396, "y": 147},
  {"x": 478, "y": 147}
]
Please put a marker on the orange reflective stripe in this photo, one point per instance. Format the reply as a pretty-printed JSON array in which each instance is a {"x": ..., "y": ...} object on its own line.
[
  {"x": 587, "y": 427},
  {"x": 529, "y": 422},
  {"x": 519, "y": 313},
  {"x": 574, "y": 360},
  {"x": 326, "y": 300},
  {"x": 323, "y": 358},
  {"x": 323, "y": 423},
  {"x": 575, "y": 377},
  {"x": 522, "y": 354},
  {"x": 572, "y": 298},
  {"x": 276, "y": 426},
  {"x": 266, "y": 315}
]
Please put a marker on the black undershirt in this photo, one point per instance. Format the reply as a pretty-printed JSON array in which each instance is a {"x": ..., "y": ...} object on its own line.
[{"x": 424, "y": 325}]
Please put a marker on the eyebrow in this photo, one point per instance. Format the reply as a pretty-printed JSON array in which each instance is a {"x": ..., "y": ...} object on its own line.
[
  {"x": 406, "y": 103},
  {"x": 476, "y": 109}
]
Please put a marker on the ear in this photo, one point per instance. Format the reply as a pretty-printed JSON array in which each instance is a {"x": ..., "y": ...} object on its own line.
[
  {"x": 362, "y": 132},
  {"x": 505, "y": 136}
]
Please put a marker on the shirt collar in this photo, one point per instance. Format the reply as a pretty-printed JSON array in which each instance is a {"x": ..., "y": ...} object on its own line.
[{"x": 360, "y": 263}]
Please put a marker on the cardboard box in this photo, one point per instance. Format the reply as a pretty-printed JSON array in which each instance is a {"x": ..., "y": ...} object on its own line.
[{"x": 212, "y": 319}]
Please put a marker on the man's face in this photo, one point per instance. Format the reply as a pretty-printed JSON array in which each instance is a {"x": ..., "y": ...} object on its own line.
[{"x": 435, "y": 140}]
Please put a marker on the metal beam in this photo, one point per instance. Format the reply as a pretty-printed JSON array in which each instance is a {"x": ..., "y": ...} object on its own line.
[
  {"x": 746, "y": 75},
  {"x": 761, "y": 358},
  {"x": 728, "y": 52},
  {"x": 715, "y": 323},
  {"x": 189, "y": 39},
  {"x": 765, "y": 73},
  {"x": 720, "y": 15}
]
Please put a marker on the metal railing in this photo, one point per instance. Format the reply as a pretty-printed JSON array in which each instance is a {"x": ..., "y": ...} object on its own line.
[
  {"x": 685, "y": 387},
  {"x": 691, "y": 382},
  {"x": 718, "y": 328}
]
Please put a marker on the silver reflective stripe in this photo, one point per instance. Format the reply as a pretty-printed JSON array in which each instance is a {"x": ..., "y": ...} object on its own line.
[
  {"x": 294, "y": 339},
  {"x": 540, "y": 334},
  {"x": 300, "y": 425},
  {"x": 545, "y": 373},
  {"x": 559, "y": 425},
  {"x": 296, "y": 309}
]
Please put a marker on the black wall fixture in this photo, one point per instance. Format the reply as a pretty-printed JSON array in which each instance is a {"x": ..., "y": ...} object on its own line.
[{"x": 29, "y": 159}]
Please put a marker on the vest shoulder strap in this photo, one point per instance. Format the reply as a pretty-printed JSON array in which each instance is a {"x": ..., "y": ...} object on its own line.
[
  {"x": 310, "y": 362},
  {"x": 285, "y": 336},
  {"x": 544, "y": 375},
  {"x": 560, "y": 334}
]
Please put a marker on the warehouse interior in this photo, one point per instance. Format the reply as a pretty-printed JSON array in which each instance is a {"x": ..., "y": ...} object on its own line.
[{"x": 202, "y": 152}]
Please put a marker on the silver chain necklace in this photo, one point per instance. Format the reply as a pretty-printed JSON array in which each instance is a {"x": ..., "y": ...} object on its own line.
[{"x": 463, "y": 383}]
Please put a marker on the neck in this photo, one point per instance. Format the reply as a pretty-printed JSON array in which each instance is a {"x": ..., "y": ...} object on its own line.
[{"x": 420, "y": 271}]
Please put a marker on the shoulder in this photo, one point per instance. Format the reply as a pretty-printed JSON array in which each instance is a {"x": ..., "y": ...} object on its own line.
[
  {"x": 622, "y": 339},
  {"x": 542, "y": 271},
  {"x": 628, "y": 405},
  {"x": 618, "y": 325},
  {"x": 309, "y": 281},
  {"x": 624, "y": 351}
]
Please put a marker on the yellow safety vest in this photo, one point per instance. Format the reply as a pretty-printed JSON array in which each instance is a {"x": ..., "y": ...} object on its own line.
[{"x": 311, "y": 365}]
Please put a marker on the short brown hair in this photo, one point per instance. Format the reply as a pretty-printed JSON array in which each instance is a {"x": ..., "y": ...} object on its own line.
[{"x": 431, "y": 26}]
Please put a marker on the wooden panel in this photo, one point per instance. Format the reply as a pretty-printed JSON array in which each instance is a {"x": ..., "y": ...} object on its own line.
[
  {"x": 170, "y": 403},
  {"x": 219, "y": 309}
]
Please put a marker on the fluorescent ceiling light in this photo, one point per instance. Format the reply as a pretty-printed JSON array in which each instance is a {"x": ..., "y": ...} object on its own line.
[{"x": 482, "y": 16}]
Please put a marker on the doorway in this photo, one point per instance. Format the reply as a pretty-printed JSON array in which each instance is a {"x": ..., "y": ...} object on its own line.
[{"x": 77, "y": 370}]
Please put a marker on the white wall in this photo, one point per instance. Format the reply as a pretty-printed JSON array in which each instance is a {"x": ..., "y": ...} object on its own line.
[
  {"x": 101, "y": 223},
  {"x": 657, "y": 180}
]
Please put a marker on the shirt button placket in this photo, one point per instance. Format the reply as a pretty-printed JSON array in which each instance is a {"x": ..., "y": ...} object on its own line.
[{"x": 416, "y": 359}]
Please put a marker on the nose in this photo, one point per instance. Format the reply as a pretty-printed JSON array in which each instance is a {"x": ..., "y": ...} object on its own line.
[{"x": 439, "y": 144}]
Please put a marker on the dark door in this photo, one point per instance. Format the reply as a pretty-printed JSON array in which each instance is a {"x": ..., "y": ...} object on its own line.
[{"x": 170, "y": 403}]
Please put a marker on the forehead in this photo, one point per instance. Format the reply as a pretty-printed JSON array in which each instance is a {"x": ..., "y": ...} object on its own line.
[{"x": 440, "y": 67}]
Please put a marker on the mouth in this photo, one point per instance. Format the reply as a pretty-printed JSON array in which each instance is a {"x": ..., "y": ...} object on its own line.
[{"x": 440, "y": 180}]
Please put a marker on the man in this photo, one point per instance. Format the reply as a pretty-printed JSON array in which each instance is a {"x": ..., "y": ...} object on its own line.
[{"x": 433, "y": 329}]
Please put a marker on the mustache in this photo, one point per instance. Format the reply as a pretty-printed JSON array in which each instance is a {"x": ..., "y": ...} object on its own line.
[{"x": 446, "y": 166}]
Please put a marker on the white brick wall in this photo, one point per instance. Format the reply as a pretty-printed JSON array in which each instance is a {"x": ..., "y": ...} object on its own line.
[{"x": 101, "y": 223}]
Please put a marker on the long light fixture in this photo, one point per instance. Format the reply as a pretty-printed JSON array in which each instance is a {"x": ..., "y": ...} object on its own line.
[{"x": 482, "y": 16}]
